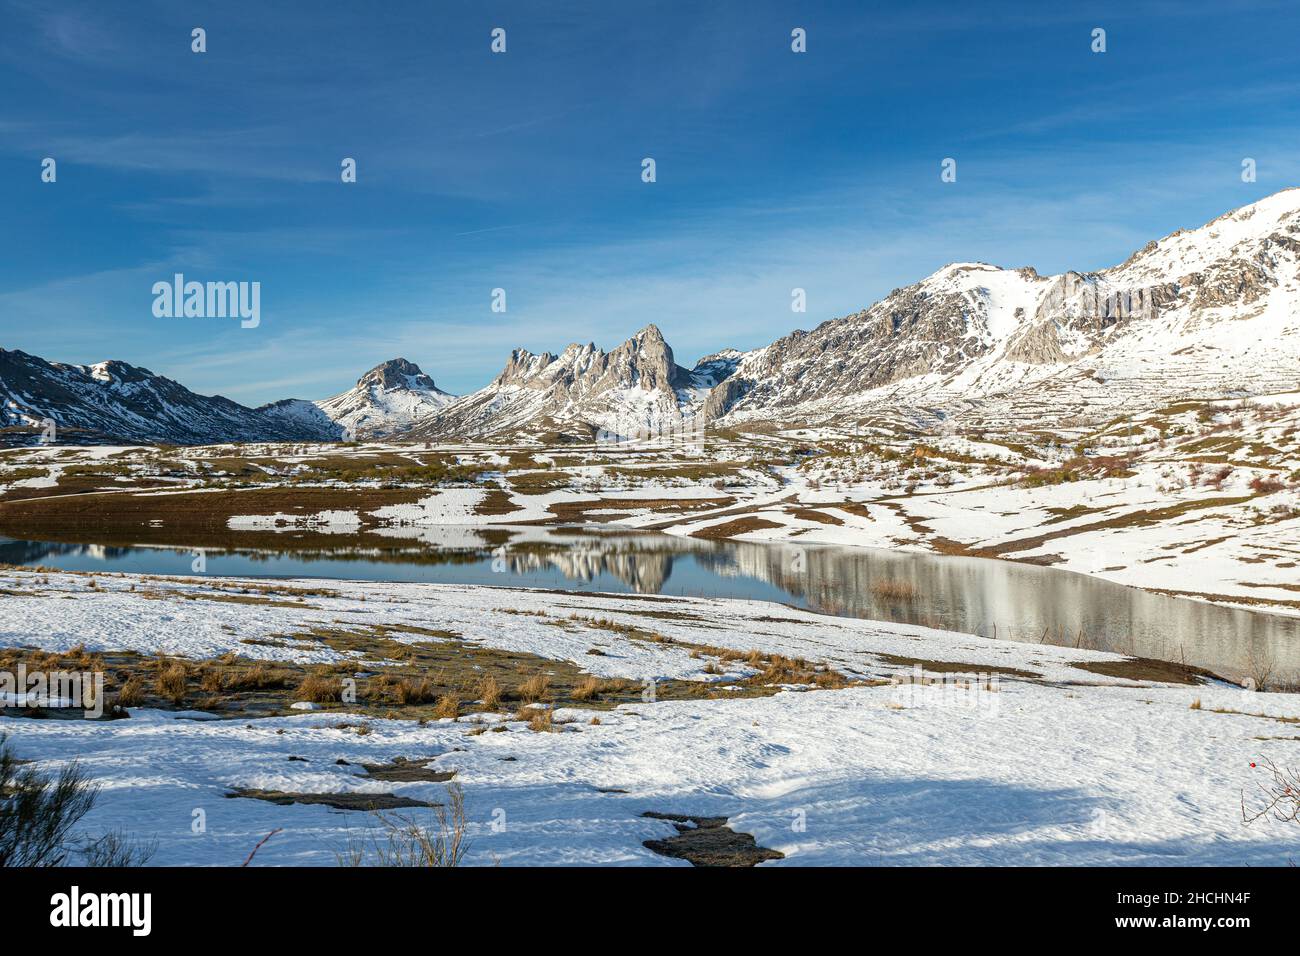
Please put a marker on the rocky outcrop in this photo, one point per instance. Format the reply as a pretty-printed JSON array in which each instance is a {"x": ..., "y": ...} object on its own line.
[{"x": 629, "y": 389}]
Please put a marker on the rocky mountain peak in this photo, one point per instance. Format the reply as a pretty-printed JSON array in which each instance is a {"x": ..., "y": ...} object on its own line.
[{"x": 396, "y": 373}]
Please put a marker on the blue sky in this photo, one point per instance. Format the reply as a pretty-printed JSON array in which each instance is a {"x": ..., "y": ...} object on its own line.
[{"x": 522, "y": 170}]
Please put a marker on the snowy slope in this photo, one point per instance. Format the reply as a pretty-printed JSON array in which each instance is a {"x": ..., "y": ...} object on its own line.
[
  {"x": 1209, "y": 311},
  {"x": 1068, "y": 767},
  {"x": 390, "y": 399},
  {"x": 120, "y": 402}
]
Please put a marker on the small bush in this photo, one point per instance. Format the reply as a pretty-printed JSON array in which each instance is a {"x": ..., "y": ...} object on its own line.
[
  {"x": 1279, "y": 796},
  {"x": 1266, "y": 485},
  {"x": 37, "y": 813}
]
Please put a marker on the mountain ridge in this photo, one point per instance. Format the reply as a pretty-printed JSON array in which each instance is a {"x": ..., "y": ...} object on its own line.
[{"x": 1208, "y": 308}]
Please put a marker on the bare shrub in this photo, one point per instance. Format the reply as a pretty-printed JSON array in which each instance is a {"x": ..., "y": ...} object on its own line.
[
  {"x": 1217, "y": 479},
  {"x": 404, "y": 841},
  {"x": 37, "y": 813},
  {"x": 1279, "y": 796},
  {"x": 1259, "y": 667},
  {"x": 1266, "y": 484},
  {"x": 117, "y": 849}
]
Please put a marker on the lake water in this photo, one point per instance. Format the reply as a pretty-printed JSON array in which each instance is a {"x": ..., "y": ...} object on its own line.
[{"x": 991, "y": 598}]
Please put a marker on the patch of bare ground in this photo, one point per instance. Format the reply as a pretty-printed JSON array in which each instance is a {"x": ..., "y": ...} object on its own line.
[
  {"x": 496, "y": 502},
  {"x": 1281, "y": 719},
  {"x": 576, "y": 511},
  {"x": 83, "y": 484},
  {"x": 955, "y": 667},
  {"x": 198, "y": 519},
  {"x": 708, "y": 841},
  {"x": 935, "y": 542},
  {"x": 598, "y": 595},
  {"x": 681, "y": 617},
  {"x": 729, "y": 529},
  {"x": 856, "y": 508},
  {"x": 1146, "y": 669},
  {"x": 207, "y": 508},
  {"x": 226, "y": 598},
  {"x": 539, "y": 482},
  {"x": 812, "y": 514},
  {"x": 336, "y": 801},
  {"x": 1133, "y": 519},
  {"x": 1069, "y": 514},
  {"x": 441, "y": 676},
  {"x": 1244, "y": 599},
  {"x": 402, "y": 770}
]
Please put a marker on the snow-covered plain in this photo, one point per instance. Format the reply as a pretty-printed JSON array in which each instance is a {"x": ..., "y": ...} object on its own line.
[{"x": 1069, "y": 767}]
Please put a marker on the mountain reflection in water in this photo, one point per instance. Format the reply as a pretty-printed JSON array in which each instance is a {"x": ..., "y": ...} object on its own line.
[{"x": 972, "y": 595}]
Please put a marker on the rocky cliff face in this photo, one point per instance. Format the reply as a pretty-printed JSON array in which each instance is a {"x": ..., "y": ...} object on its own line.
[{"x": 632, "y": 387}]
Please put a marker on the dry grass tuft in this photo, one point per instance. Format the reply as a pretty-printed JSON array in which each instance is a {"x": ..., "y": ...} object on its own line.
[
  {"x": 411, "y": 691},
  {"x": 894, "y": 590},
  {"x": 171, "y": 681},
  {"x": 489, "y": 692},
  {"x": 535, "y": 688},
  {"x": 320, "y": 689},
  {"x": 131, "y": 693},
  {"x": 589, "y": 689}
]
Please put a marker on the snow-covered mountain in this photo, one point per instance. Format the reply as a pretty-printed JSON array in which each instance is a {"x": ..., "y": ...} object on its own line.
[
  {"x": 1209, "y": 311},
  {"x": 114, "y": 401},
  {"x": 637, "y": 386},
  {"x": 389, "y": 400},
  {"x": 1204, "y": 312}
]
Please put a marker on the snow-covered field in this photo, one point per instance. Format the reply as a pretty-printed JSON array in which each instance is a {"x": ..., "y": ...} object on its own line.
[
  {"x": 1199, "y": 498},
  {"x": 1060, "y": 766}
]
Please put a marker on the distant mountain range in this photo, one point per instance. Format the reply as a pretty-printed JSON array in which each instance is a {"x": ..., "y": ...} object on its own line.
[{"x": 1205, "y": 312}]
